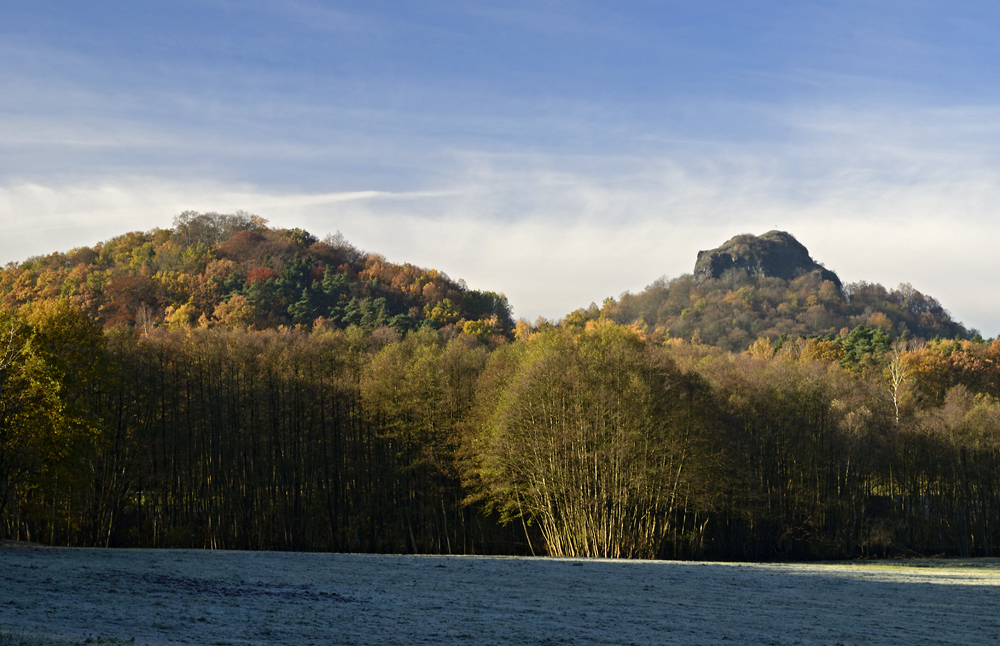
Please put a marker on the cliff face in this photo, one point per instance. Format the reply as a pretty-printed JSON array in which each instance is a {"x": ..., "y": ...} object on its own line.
[{"x": 774, "y": 253}]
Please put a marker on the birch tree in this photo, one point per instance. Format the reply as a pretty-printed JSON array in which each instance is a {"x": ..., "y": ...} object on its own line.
[
  {"x": 898, "y": 374},
  {"x": 585, "y": 436}
]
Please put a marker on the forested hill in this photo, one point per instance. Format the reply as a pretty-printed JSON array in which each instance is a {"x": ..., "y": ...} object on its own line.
[
  {"x": 225, "y": 384},
  {"x": 232, "y": 270},
  {"x": 769, "y": 286}
]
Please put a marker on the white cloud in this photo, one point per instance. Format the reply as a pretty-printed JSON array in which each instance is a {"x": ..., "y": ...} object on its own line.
[{"x": 882, "y": 196}]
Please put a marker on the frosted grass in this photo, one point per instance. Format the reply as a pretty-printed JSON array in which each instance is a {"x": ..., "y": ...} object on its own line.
[{"x": 93, "y": 596}]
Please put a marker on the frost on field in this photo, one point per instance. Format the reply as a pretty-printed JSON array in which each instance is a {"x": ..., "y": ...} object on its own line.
[{"x": 88, "y": 596}]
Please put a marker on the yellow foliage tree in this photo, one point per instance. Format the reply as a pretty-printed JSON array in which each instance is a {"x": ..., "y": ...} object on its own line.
[
  {"x": 181, "y": 317},
  {"x": 442, "y": 312},
  {"x": 235, "y": 313}
]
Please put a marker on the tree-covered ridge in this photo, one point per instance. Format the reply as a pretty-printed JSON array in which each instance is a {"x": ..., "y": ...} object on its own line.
[
  {"x": 600, "y": 435},
  {"x": 736, "y": 307},
  {"x": 234, "y": 271}
]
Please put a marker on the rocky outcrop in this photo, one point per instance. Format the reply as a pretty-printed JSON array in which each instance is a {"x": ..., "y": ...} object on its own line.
[{"x": 775, "y": 253}]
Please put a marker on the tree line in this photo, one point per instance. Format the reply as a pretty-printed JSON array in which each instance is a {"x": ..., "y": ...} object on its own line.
[{"x": 586, "y": 437}]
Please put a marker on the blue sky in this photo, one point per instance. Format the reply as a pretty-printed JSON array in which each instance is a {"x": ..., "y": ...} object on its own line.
[{"x": 560, "y": 152}]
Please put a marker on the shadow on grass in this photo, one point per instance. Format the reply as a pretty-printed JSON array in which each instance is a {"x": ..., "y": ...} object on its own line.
[{"x": 24, "y": 638}]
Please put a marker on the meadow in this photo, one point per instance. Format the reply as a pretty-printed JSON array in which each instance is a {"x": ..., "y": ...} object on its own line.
[{"x": 118, "y": 596}]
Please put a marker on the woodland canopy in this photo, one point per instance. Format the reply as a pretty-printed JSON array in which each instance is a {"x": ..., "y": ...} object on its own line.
[{"x": 223, "y": 384}]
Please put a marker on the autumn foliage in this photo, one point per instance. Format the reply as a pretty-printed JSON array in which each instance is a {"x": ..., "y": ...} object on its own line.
[
  {"x": 226, "y": 385},
  {"x": 189, "y": 275},
  {"x": 736, "y": 309}
]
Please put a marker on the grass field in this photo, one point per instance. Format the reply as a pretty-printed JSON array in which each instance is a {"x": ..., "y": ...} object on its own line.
[{"x": 89, "y": 596}]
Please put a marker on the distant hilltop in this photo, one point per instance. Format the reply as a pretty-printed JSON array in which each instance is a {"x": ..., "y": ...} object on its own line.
[
  {"x": 776, "y": 254},
  {"x": 769, "y": 286}
]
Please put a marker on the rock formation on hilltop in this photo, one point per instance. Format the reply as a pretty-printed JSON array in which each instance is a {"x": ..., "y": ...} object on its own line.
[{"x": 775, "y": 253}]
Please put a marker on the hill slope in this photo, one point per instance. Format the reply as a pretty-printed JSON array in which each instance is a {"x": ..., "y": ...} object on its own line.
[
  {"x": 769, "y": 286},
  {"x": 233, "y": 270}
]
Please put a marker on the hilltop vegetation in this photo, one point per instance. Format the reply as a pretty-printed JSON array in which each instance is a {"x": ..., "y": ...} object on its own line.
[
  {"x": 769, "y": 286},
  {"x": 232, "y": 270},
  {"x": 223, "y": 384}
]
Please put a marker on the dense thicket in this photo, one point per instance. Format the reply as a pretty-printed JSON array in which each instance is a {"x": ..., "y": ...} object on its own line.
[
  {"x": 593, "y": 440},
  {"x": 333, "y": 440},
  {"x": 428, "y": 424}
]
